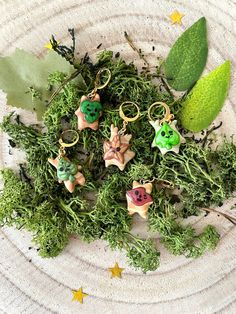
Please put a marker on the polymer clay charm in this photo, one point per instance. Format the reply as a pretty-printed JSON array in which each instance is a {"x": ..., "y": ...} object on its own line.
[
  {"x": 116, "y": 150},
  {"x": 139, "y": 198},
  {"x": 67, "y": 171},
  {"x": 90, "y": 108},
  {"x": 167, "y": 138},
  {"x": 89, "y": 112}
]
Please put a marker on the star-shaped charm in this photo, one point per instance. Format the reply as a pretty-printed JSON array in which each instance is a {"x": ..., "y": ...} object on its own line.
[
  {"x": 49, "y": 45},
  {"x": 167, "y": 138},
  {"x": 116, "y": 150},
  {"x": 67, "y": 172},
  {"x": 176, "y": 17},
  {"x": 116, "y": 271},
  {"x": 79, "y": 295},
  {"x": 89, "y": 118},
  {"x": 139, "y": 198}
]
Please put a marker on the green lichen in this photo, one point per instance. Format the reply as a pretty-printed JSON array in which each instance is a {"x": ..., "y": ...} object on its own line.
[{"x": 98, "y": 210}]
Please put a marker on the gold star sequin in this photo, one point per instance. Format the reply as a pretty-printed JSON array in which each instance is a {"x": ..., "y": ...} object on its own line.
[
  {"x": 116, "y": 271},
  {"x": 49, "y": 45},
  {"x": 176, "y": 17},
  {"x": 79, "y": 295}
]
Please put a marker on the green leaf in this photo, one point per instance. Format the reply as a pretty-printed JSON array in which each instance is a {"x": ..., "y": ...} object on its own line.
[
  {"x": 22, "y": 74},
  {"x": 187, "y": 58},
  {"x": 206, "y": 99}
]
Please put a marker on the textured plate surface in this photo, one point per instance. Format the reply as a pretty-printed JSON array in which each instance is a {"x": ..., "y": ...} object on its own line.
[{"x": 30, "y": 284}]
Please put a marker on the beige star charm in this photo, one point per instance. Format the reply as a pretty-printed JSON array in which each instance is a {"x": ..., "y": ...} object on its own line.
[
  {"x": 139, "y": 198},
  {"x": 92, "y": 113},
  {"x": 116, "y": 150},
  {"x": 68, "y": 172}
]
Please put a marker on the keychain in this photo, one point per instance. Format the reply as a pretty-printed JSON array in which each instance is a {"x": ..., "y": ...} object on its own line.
[
  {"x": 67, "y": 171},
  {"x": 117, "y": 150},
  {"x": 90, "y": 109},
  {"x": 139, "y": 198},
  {"x": 167, "y": 138}
]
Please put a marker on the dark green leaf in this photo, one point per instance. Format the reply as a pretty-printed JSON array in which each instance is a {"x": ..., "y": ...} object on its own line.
[{"x": 187, "y": 58}]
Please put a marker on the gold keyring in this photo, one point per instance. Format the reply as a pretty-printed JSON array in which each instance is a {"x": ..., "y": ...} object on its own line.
[
  {"x": 129, "y": 104},
  {"x": 167, "y": 117},
  {"x": 69, "y": 144},
  {"x": 97, "y": 79}
]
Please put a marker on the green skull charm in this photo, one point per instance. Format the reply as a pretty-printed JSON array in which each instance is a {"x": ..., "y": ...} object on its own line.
[
  {"x": 89, "y": 112},
  {"x": 167, "y": 138},
  {"x": 66, "y": 170}
]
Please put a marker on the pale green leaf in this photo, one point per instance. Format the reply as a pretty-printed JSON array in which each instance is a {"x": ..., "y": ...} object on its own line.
[
  {"x": 187, "y": 58},
  {"x": 22, "y": 70},
  {"x": 206, "y": 99}
]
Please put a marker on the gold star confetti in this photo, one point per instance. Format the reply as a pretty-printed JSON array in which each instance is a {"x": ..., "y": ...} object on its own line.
[
  {"x": 176, "y": 17},
  {"x": 79, "y": 295},
  {"x": 49, "y": 45},
  {"x": 116, "y": 271}
]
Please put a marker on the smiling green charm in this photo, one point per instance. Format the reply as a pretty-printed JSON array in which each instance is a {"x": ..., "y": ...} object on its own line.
[
  {"x": 91, "y": 110},
  {"x": 167, "y": 138},
  {"x": 90, "y": 107},
  {"x": 66, "y": 170}
]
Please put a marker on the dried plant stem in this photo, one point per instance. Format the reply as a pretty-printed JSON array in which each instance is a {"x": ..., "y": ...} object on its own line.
[
  {"x": 130, "y": 42},
  {"x": 229, "y": 217},
  {"x": 57, "y": 91}
]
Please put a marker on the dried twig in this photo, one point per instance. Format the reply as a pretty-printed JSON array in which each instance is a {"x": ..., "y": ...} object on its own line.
[
  {"x": 130, "y": 42},
  {"x": 230, "y": 218},
  {"x": 63, "y": 84}
]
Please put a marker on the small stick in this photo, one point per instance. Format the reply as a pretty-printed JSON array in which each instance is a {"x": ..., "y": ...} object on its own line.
[
  {"x": 166, "y": 86},
  {"x": 130, "y": 42},
  {"x": 230, "y": 218},
  {"x": 63, "y": 84},
  {"x": 205, "y": 138}
]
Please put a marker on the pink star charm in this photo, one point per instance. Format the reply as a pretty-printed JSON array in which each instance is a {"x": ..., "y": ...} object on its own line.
[{"x": 139, "y": 198}]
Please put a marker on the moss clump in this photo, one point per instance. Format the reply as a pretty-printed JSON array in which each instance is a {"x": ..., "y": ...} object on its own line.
[{"x": 38, "y": 203}]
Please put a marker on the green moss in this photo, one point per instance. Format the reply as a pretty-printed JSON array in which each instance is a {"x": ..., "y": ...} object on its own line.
[{"x": 98, "y": 209}]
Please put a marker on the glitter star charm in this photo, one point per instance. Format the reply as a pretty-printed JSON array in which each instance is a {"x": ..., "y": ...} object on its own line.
[
  {"x": 176, "y": 17},
  {"x": 89, "y": 112},
  {"x": 139, "y": 198},
  {"x": 116, "y": 150},
  {"x": 67, "y": 172},
  {"x": 79, "y": 295},
  {"x": 116, "y": 271},
  {"x": 167, "y": 138}
]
